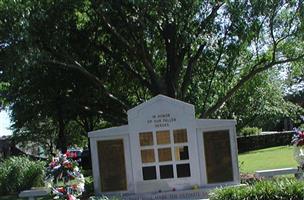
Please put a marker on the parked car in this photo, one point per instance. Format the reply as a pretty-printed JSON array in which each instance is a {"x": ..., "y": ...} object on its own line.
[
  {"x": 74, "y": 154},
  {"x": 86, "y": 159}
]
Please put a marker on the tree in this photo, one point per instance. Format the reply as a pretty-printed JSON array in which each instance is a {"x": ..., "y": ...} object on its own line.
[
  {"x": 163, "y": 45},
  {"x": 261, "y": 103},
  {"x": 45, "y": 103},
  {"x": 202, "y": 52}
]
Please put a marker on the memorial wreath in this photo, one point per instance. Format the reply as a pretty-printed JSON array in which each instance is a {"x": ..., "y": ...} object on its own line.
[
  {"x": 298, "y": 143},
  {"x": 64, "y": 178}
]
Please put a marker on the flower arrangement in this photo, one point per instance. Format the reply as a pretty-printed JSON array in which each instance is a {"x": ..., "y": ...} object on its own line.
[
  {"x": 298, "y": 138},
  {"x": 298, "y": 143},
  {"x": 64, "y": 178}
]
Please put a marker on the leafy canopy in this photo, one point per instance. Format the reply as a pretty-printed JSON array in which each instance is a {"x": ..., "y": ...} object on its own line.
[{"x": 94, "y": 59}]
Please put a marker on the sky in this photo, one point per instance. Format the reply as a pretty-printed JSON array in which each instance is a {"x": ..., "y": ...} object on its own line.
[{"x": 4, "y": 124}]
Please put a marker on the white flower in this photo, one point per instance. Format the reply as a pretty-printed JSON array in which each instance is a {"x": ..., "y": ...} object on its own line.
[
  {"x": 48, "y": 185},
  {"x": 81, "y": 187},
  {"x": 301, "y": 152}
]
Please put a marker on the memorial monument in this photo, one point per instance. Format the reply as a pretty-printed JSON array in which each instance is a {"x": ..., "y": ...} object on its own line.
[{"x": 164, "y": 152}]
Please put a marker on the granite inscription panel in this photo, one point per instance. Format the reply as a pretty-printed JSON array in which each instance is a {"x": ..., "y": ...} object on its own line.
[
  {"x": 218, "y": 156},
  {"x": 112, "y": 165}
]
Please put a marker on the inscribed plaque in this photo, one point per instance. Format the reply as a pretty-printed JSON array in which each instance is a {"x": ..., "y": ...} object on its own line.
[
  {"x": 112, "y": 165},
  {"x": 218, "y": 156}
]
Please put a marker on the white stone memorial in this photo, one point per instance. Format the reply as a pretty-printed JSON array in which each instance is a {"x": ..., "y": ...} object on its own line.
[{"x": 164, "y": 153}]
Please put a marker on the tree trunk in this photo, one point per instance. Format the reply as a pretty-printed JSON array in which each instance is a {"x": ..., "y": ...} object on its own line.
[{"x": 61, "y": 140}]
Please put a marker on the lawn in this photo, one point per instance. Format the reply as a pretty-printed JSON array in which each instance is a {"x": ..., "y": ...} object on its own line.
[{"x": 270, "y": 158}]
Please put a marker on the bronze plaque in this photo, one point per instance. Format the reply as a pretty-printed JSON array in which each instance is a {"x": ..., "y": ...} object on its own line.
[
  {"x": 112, "y": 165},
  {"x": 218, "y": 156}
]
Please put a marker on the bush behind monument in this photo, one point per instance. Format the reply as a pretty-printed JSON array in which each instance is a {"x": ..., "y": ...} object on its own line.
[{"x": 20, "y": 173}]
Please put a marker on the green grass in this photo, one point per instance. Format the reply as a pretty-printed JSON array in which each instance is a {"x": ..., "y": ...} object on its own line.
[{"x": 270, "y": 158}]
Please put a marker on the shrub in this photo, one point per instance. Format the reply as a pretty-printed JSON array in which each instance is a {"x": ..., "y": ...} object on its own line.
[
  {"x": 89, "y": 186},
  {"x": 20, "y": 173},
  {"x": 270, "y": 190},
  {"x": 248, "y": 131}
]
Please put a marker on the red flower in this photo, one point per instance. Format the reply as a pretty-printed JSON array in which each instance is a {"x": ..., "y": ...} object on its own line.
[
  {"x": 71, "y": 197},
  {"x": 301, "y": 134},
  {"x": 300, "y": 142},
  {"x": 61, "y": 189},
  {"x": 68, "y": 165},
  {"x": 53, "y": 164},
  {"x": 74, "y": 187}
]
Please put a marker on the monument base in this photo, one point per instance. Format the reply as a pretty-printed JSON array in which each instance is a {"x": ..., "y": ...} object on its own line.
[{"x": 185, "y": 194}]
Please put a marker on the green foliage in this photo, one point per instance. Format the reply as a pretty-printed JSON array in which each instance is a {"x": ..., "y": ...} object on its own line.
[
  {"x": 89, "y": 186},
  {"x": 261, "y": 103},
  {"x": 20, "y": 173},
  {"x": 298, "y": 98},
  {"x": 248, "y": 131},
  {"x": 262, "y": 190},
  {"x": 79, "y": 61}
]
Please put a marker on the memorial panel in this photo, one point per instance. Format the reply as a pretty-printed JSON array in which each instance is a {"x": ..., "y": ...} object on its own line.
[
  {"x": 147, "y": 156},
  {"x": 164, "y": 154},
  {"x": 149, "y": 173},
  {"x": 180, "y": 136},
  {"x": 166, "y": 171},
  {"x": 183, "y": 170},
  {"x": 146, "y": 139},
  {"x": 163, "y": 137},
  {"x": 218, "y": 156},
  {"x": 181, "y": 153},
  {"x": 112, "y": 165}
]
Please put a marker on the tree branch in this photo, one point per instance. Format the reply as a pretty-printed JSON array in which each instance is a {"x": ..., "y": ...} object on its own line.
[
  {"x": 136, "y": 53},
  {"x": 209, "y": 18},
  {"x": 94, "y": 79},
  {"x": 272, "y": 36},
  {"x": 244, "y": 80},
  {"x": 141, "y": 50},
  {"x": 193, "y": 59},
  {"x": 148, "y": 64},
  {"x": 112, "y": 30},
  {"x": 188, "y": 75},
  {"x": 125, "y": 66},
  {"x": 212, "y": 78}
]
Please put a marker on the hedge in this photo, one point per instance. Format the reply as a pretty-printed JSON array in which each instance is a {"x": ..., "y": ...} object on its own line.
[
  {"x": 256, "y": 142},
  {"x": 262, "y": 190}
]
